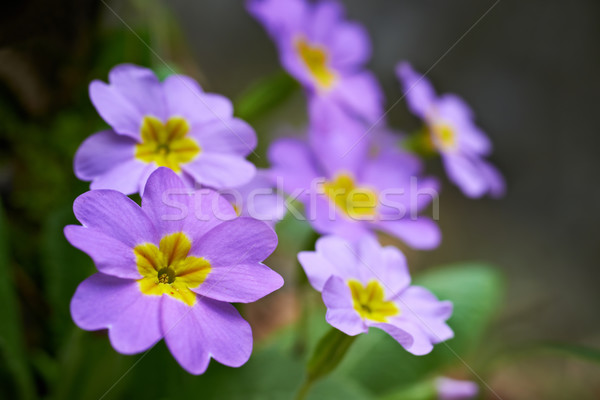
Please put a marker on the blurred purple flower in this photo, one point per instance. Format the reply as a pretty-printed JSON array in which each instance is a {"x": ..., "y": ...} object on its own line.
[
  {"x": 169, "y": 269},
  {"x": 366, "y": 285},
  {"x": 324, "y": 52},
  {"x": 452, "y": 389},
  {"x": 452, "y": 133},
  {"x": 348, "y": 192},
  {"x": 170, "y": 124}
]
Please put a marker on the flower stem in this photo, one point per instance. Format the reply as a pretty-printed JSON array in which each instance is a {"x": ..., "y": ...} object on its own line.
[{"x": 327, "y": 355}]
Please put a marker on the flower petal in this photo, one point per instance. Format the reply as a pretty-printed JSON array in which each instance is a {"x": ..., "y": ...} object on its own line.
[
  {"x": 384, "y": 264},
  {"x": 340, "y": 310},
  {"x": 111, "y": 256},
  {"x": 132, "y": 319},
  {"x": 362, "y": 95},
  {"x": 220, "y": 170},
  {"x": 174, "y": 207},
  {"x": 100, "y": 153},
  {"x": 115, "y": 215},
  {"x": 231, "y": 136},
  {"x": 239, "y": 283},
  {"x": 409, "y": 335},
  {"x": 133, "y": 92},
  {"x": 125, "y": 177},
  {"x": 240, "y": 241},
  {"x": 208, "y": 329},
  {"x": 421, "y": 233},
  {"x": 185, "y": 98},
  {"x": 466, "y": 174},
  {"x": 418, "y": 91}
]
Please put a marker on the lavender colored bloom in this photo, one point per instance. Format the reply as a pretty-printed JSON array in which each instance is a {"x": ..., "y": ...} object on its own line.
[
  {"x": 452, "y": 133},
  {"x": 324, "y": 52},
  {"x": 169, "y": 269},
  {"x": 452, "y": 389},
  {"x": 366, "y": 285},
  {"x": 170, "y": 124},
  {"x": 350, "y": 193}
]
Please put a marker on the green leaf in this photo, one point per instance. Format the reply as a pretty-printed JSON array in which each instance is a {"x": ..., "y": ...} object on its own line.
[
  {"x": 11, "y": 330},
  {"x": 265, "y": 95},
  {"x": 328, "y": 354},
  {"x": 380, "y": 364}
]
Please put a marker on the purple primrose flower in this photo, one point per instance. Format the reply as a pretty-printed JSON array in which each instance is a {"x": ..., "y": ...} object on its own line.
[
  {"x": 366, "y": 285},
  {"x": 347, "y": 191},
  {"x": 452, "y": 133},
  {"x": 324, "y": 52},
  {"x": 171, "y": 124},
  {"x": 169, "y": 269}
]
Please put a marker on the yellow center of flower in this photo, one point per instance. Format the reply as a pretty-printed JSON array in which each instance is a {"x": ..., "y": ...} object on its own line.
[
  {"x": 442, "y": 136},
  {"x": 369, "y": 301},
  {"x": 356, "y": 202},
  {"x": 315, "y": 59},
  {"x": 167, "y": 269},
  {"x": 166, "y": 145}
]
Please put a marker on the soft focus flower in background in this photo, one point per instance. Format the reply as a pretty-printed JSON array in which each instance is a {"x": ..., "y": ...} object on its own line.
[
  {"x": 171, "y": 124},
  {"x": 453, "y": 389},
  {"x": 169, "y": 271},
  {"x": 324, "y": 52},
  {"x": 366, "y": 285},
  {"x": 451, "y": 132},
  {"x": 353, "y": 196}
]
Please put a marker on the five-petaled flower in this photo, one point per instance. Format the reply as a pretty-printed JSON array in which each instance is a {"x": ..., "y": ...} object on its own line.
[
  {"x": 451, "y": 131},
  {"x": 348, "y": 192},
  {"x": 364, "y": 285},
  {"x": 324, "y": 52},
  {"x": 171, "y": 124},
  {"x": 169, "y": 269}
]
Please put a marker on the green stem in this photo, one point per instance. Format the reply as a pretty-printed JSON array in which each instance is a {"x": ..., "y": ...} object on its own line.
[
  {"x": 304, "y": 389},
  {"x": 327, "y": 356}
]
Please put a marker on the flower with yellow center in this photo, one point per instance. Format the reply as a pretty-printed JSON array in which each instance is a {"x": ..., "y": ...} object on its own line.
[
  {"x": 369, "y": 301},
  {"x": 166, "y": 145},
  {"x": 316, "y": 59},
  {"x": 442, "y": 136},
  {"x": 168, "y": 269},
  {"x": 354, "y": 201}
]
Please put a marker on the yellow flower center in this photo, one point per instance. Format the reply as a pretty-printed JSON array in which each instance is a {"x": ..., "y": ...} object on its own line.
[
  {"x": 167, "y": 269},
  {"x": 315, "y": 59},
  {"x": 166, "y": 145},
  {"x": 356, "y": 202},
  {"x": 442, "y": 136},
  {"x": 369, "y": 301}
]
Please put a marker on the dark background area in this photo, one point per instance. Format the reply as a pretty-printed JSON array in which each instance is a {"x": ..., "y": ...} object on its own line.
[{"x": 529, "y": 69}]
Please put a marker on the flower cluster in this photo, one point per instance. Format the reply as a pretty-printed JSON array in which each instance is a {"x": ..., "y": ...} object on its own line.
[
  {"x": 168, "y": 268},
  {"x": 355, "y": 179}
]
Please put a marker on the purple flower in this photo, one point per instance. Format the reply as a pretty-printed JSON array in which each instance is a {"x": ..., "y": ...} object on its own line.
[
  {"x": 169, "y": 269},
  {"x": 171, "y": 124},
  {"x": 350, "y": 193},
  {"x": 452, "y": 133},
  {"x": 452, "y": 389},
  {"x": 323, "y": 51},
  {"x": 366, "y": 285}
]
